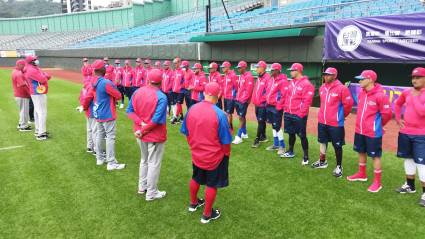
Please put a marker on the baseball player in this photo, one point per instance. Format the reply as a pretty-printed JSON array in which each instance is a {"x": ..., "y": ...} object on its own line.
[
  {"x": 198, "y": 83},
  {"x": 22, "y": 95},
  {"x": 210, "y": 151},
  {"x": 167, "y": 83},
  {"x": 229, "y": 90},
  {"x": 178, "y": 94},
  {"x": 86, "y": 70},
  {"x": 128, "y": 76},
  {"x": 215, "y": 76},
  {"x": 148, "y": 110},
  {"x": 118, "y": 73},
  {"x": 139, "y": 72},
  {"x": 188, "y": 81}
]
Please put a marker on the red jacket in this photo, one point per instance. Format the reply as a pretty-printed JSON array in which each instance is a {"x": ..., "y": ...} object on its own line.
[
  {"x": 178, "y": 80},
  {"x": 128, "y": 76},
  {"x": 167, "y": 81},
  {"x": 336, "y": 103},
  {"x": 110, "y": 73},
  {"x": 35, "y": 76},
  {"x": 198, "y": 84},
  {"x": 149, "y": 106},
  {"x": 118, "y": 75},
  {"x": 230, "y": 85},
  {"x": 414, "y": 114},
  {"x": 87, "y": 71},
  {"x": 245, "y": 87},
  {"x": 299, "y": 97},
  {"x": 216, "y": 77},
  {"x": 188, "y": 78},
  {"x": 20, "y": 84},
  {"x": 139, "y": 72},
  {"x": 276, "y": 91},
  {"x": 373, "y": 112},
  {"x": 260, "y": 90},
  {"x": 208, "y": 135}
]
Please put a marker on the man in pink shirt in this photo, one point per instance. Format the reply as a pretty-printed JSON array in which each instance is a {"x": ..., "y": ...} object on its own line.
[
  {"x": 22, "y": 95},
  {"x": 198, "y": 84},
  {"x": 86, "y": 70},
  {"x": 229, "y": 90},
  {"x": 214, "y": 76},
  {"x": 411, "y": 139},
  {"x": 128, "y": 77},
  {"x": 373, "y": 113},
  {"x": 335, "y": 105},
  {"x": 209, "y": 138},
  {"x": 243, "y": 98},
  {"x": 167, "y": 83},
  {"x": 139, "y": 71},
  {"x": 118, "y": 73},
  {"x": 297, "y": 105}
]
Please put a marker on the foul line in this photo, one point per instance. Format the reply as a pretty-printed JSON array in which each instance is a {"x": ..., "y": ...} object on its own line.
[{"x": 11, "y": 147}]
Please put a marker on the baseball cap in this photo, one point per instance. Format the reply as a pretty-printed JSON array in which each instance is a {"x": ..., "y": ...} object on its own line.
[
  {"x": 276, "y": 67},
  {"x": 98, "y": 64},
  {"x": 418, "y": 71},
  {"x": 330, "y": 71},
  {"x": 177, "y": 59},
  {"x": 226, "y": 64},
  {"x": 138, "y": 60},
  {"x": 167, "y": 63},
  {"x": 242, "y": 64},
  {"x": 367, "y": 74},
  {"x": 105, "y": 58},
  {"x": 197, "y": 66},
  {"x": 147, "y": 61},
  {"x": 155, "y": 76},
  {"x": 212, "y": 89},
  {"x": 30, "y": 59},
  {"x": 85, "y": 59},
  {"x": 296, "y": 67},
  {"x": 20, "y": 62},
  {"x": 213, "y": 65},
  {"x": 261, "y": 64},
  {"x": 185, "y": 64},
  {"x": 117, "y": 61}
]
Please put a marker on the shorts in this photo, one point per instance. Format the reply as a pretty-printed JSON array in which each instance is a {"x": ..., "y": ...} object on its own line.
[
  {"x": 177, "y": 98},
  {"x": 295, "y": 125},
  {"x": 216, "y": 178},
  {"x": 260, "y": 113},
  {"x": 327, "y": 133},
  {"x": 411, "y": 147},
  {"x": 274, "y": 117},
  {"x": 241, "y": 108},
  {"x": 229, "y": 106},
  {"x": 371, "y": 146}
]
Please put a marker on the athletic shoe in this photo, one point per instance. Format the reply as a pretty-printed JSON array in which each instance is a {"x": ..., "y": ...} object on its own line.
[
  {"x": 174, "y": 120},
  {"x": 256, "y": 143},
  {"x": 141, "y": 191},
  {"x": 115, "y": 166},
  {"x": 244, "y": 136},
  {"x": 194, "y": 207},
  {"x": 89, "y": 150},
  {"x": 18, "y": 126},
  {"x": 272, "y": 148},
  {"x": 237, "y": 140},
  {"x": 357, "y": 177},
  {"x": 375, "y": 187},
  {"x": 215, "y": 214},
  {"x": 100, "y": 162},
  {"x": 320, "y": 164},
  {"x": 41, "y": 137},
  {"x": 422, "y": 200},
  {"x": 263, "y": 140},
  {"x": 121, "y": 106},
  {"x": 25, "y": 129},
  {"x": 405, "y": 188},
  {"x": 337, "y": 171},
  {"x": 280, "y": 150},
  {"x": 304, "y": 162},
  {"x": 181, "y": 118},
  {"x": 158, "y": 195},
  {"x": 287, "y": 154}
]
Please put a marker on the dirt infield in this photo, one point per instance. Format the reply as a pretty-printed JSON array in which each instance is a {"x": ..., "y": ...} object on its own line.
[{"x": 389, "y": 140}]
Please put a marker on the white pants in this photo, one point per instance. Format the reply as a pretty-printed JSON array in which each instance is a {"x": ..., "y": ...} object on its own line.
[
  {"x": 91, "y": 133},
  {"x": 106, "y": 129},
  {"x": 24, "y": 109},
  {"x": 40, "y": 113},
  {"x": 150, "y": 166}
]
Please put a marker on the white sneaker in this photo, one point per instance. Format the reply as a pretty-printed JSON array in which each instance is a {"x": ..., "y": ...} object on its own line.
[
  {"x": 244, "y": 136},
  {"x": 158, "y": 195},
  {"x": 304, "y": 162},
  {"x": 237, "y": 140},
  {"x": 121, "y": 106},
  {"x": 99, "y": 162},
  {"x": 115, "y": 166},
  {"x": 281, "y": 151}
]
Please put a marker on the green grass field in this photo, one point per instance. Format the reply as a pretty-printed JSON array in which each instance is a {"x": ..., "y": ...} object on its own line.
[{"x": 53, "y": 189}]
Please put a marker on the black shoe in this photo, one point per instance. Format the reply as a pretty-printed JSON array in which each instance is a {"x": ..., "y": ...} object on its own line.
[
  {"x": 215, "y": 214},
  {"x": 256, "y": 143},
  {"x": 194, "y": 207},
  {"x": 41, "y": 137},
  {"x": 181, "y": 118},
  {"x": 320, "y": 164},
  {"x": 90, "y": 150},
  {"x": 264, "y": 139},
  {"x": 173, "y": 120},
  {"x": 25, "y": 129}
]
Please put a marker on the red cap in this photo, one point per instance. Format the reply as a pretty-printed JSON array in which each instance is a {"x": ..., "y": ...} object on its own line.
[
  {"x": 127, "y": 62},
  {"x": 105, "y": 58},
  {"x": 85, "y": 59},
  {"x": 138, "y": 60},
  {"x": 226, "y": 64},
  {"x": 98, "y": 64},
  {"x": 117, "y": 61},
  {"x": 297, "y": 67},
  {"x": 276, "y": 67},
  {"x": 242, "y": 64},
  {"x": 185, "y": 64},
  {"x": 20, "y": 62},
  {"x": 197, "y": 66},
  {"x": 212, "y": 89},
  {"x": 331, "y": 71},
  {"x": 418, "y": 71},
  {"x": 167, "y": 63},
  {"x": 30, "y": 59},
  {"x": 367, "y": 74},
  {"x": 155, "y": 76},
  {"x": 261, "y": 64},
  {"x": 213, "y": 65},
  {"x": 157, "y": 63}
]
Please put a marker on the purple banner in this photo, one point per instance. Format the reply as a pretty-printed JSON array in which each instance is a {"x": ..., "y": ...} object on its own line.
[
  {"x": 396, "y": 38},
  {"x": 393, "y": 92}
]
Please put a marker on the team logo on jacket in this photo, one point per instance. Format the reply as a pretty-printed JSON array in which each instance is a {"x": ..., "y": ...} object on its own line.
[
  {"x": 349, "y": 38},
  {"x": 371, "y": 103},
  {"x": 334, "y": 95}
]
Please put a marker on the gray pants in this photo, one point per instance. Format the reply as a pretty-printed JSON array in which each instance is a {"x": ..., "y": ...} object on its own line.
[
  {"x": 106, "y": 129},
  {"x": 150, "y": 166},
  {"x": 91, "y": 133},
  {"x": 24, "y": 111},
  {"x": 40, "y": 113}
]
